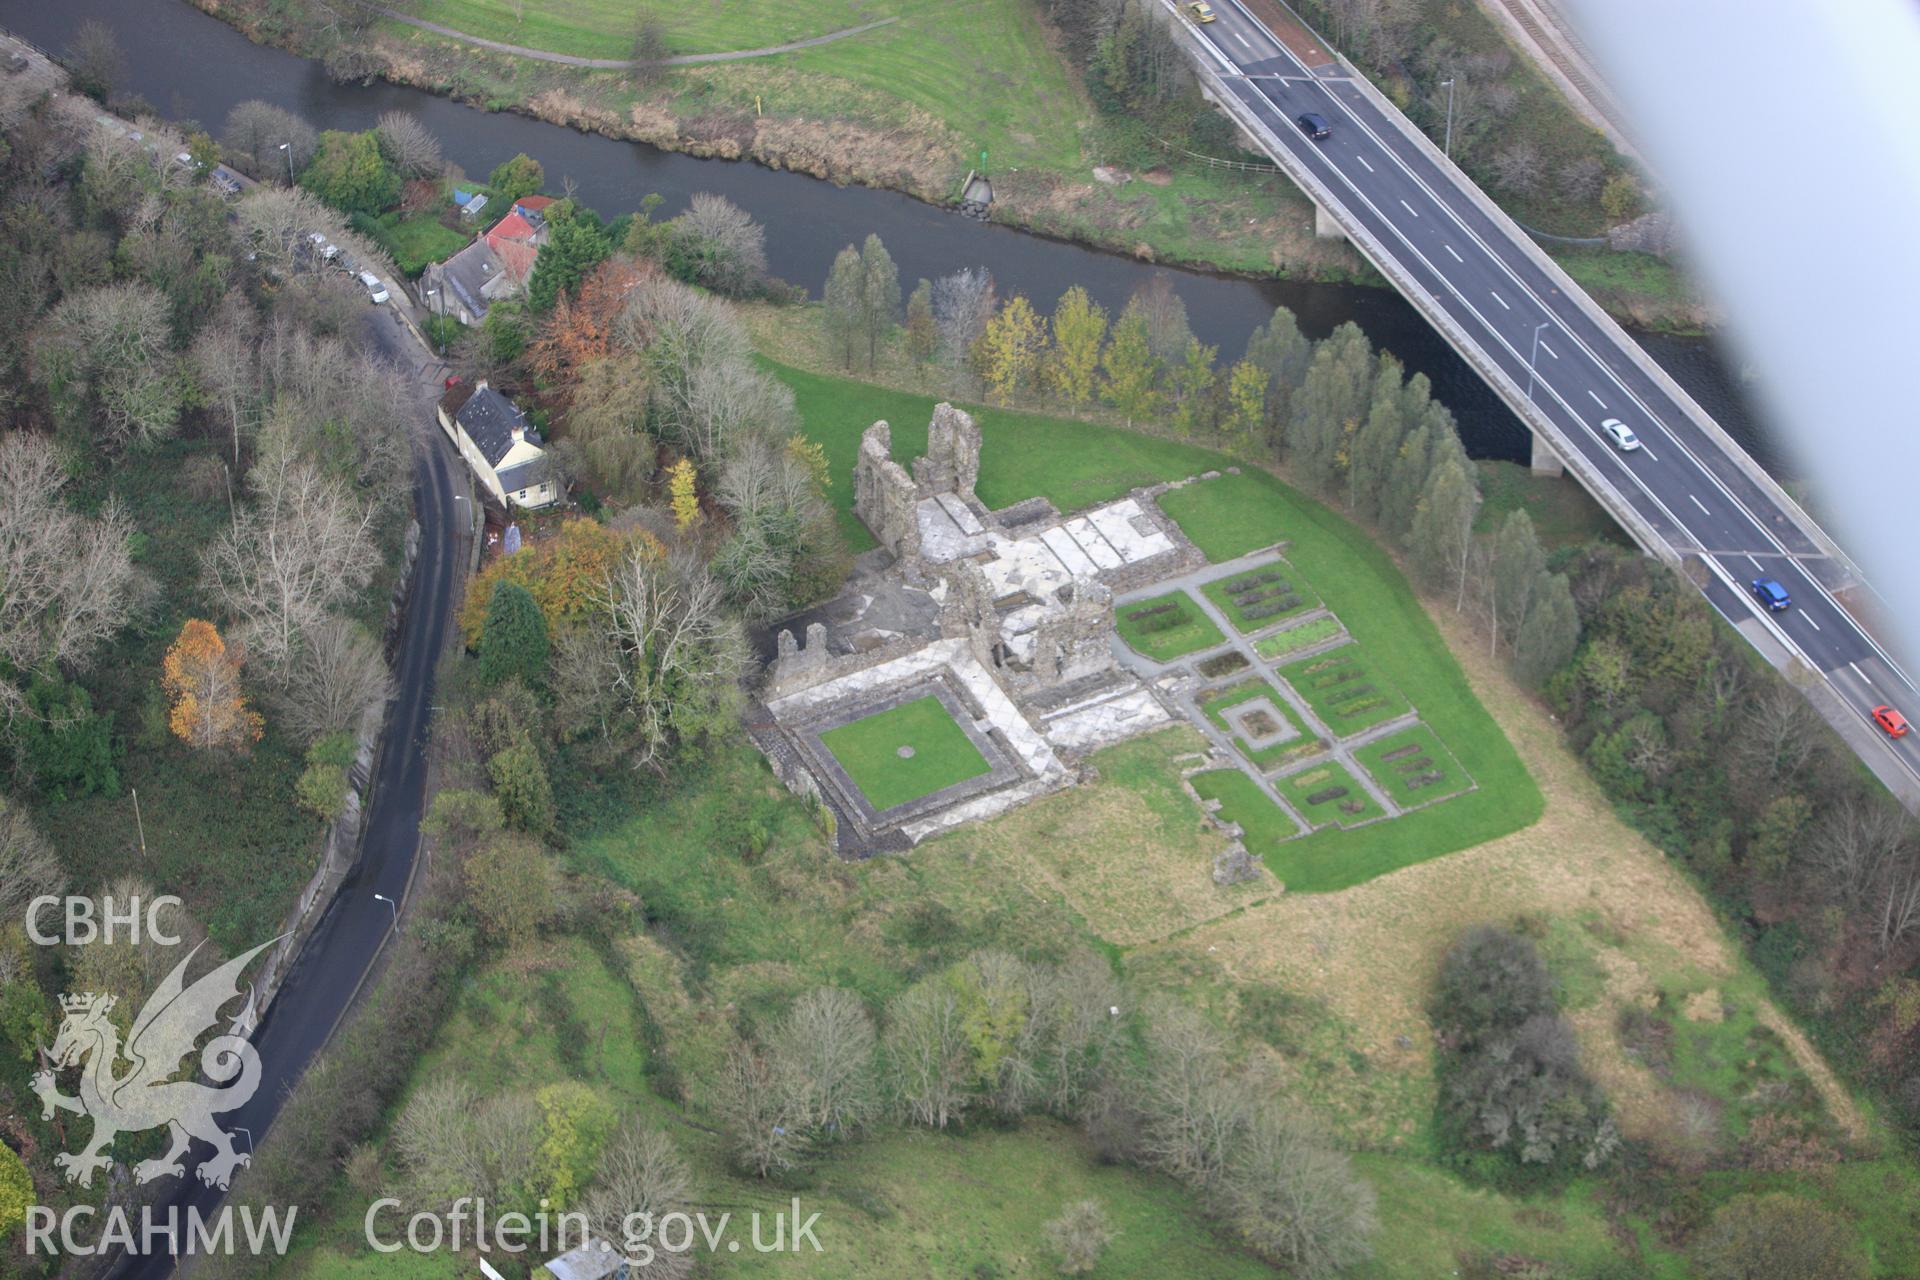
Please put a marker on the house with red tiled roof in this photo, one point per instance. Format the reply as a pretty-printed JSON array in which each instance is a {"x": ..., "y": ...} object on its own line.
[{"x": 493, "y": 267}]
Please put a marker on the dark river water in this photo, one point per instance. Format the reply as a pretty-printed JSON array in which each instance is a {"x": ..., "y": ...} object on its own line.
[{"x": 193, "y": 67}]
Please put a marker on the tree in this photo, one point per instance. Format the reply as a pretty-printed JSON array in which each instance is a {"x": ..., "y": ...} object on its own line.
[
  {"x": 825, "y": 1056},
  {"x": 1298, "y": 1201},
  {"x": 576, "y": 244},
  {"x": 1517, "y": 167},
  {"x": 1080, "y": 1235},
  {"x": 684, "y": 498},
  {"x": 1332, "y": 402},
  {"x": 70, "y": 579},
  {"x": 1168, "y": 332},
  {"x": 717, "y": 244},
  {"x": 28, "y": 867},
  {"x": 1518, "y": 570},
  {"x": 843, "y": 302},
  {"x": 643, "y": 1178},
  {"x": 1777, "y": 1236},
  {"x": 349, "y": 173},
  {"x": 202, "y": 680},
  {"x": 303, "y": 546},
  {"x": 1194, "y": 382},
  {"x": 1284, "y": 352},
  {"x": 96, "y": 59},
  {"x": 650, "y": 50},
  {"x": 1011, "y": 349},
  {"x": 1442, "y": 536},
  {"x": 1247, "y": 385},
  {"x": 757, "y": 1114},
  {"x": 339, "y": 677},
  {"x": 409, "y": 146},
  {"x": 63, "y": 748},
  {"x": 224, "y": 362},
  {"x": 1378, "y": 442},
  {"x": 510, "y": 887},
  {"x": 962, "y": 304},
  {"x": 1195, "y": 1111},
  {"x": 928, "y": 1059},
  {"x": 254, "y": 133},
  {"x": 1132, "y": 372},
  {"x": 107, "y": 361},
  {"x": 513, "y": 639},
  {"x": 923, "y": 335},
  {"x": 1550, "y": 634},
  {"x": 879, "y": 295},
  {"x": 520, "y": 176},
  {"x": 1079, "y": 331},
  {"x": 520, "y": 781},
  {"x": 565, "y": 573},
  {"x": 1621, "y": 198}
]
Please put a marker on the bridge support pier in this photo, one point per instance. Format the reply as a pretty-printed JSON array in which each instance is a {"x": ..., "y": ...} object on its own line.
[
  {"x": 1324, "y": 225},
  {"x": 1545, "y": 461}
]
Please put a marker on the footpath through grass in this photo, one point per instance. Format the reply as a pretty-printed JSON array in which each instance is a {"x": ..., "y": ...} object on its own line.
[{"x": 905, "y": 752}]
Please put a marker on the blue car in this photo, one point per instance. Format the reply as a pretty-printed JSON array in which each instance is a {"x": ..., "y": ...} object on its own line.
[{"x": 1770, "y": 594}]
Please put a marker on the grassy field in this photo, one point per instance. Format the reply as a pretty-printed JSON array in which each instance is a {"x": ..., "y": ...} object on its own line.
[
  {"x": 1166, "y": 627},
  {"x": 1261, "y": 598},
  {"x": 1233, "y": 515},
  {"x": 1563, "y": 513},
  {"x": 939, "y": 754},
  {"x": 416, "y": 240},
  {"x": 1345, "y": 689},
  {"x": 1328, "y": 794},
  {"x": 1293, "y": 639},
  {"x": 1264, "y": 823},
  {"x": 1412, "y": 767}
]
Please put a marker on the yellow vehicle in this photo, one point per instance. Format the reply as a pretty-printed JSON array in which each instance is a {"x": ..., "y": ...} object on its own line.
[{"x": 1202, "y": 11}]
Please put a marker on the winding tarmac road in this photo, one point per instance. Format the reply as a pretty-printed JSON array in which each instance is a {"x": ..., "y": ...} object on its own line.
[{"x": 346, "y": 943}]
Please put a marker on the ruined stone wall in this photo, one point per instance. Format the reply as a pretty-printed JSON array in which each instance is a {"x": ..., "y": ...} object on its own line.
[
  {"x": 885, "y": 497},
  {"x": 952, "y": 461},
  {"x": 1072, "y": 640}
]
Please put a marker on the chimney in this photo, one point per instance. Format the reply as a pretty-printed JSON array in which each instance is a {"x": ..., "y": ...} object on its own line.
[{"x": 519, "y": 432}]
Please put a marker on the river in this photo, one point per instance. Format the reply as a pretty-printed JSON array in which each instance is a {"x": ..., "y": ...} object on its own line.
[{"x": 193, "y": 67}]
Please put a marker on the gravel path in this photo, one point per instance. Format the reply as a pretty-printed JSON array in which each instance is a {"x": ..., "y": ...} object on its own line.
[{"x": 622, "y": 64}]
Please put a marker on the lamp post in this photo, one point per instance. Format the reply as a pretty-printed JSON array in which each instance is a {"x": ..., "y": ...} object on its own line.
[
  {"x": 1448, "y": 148},
  {"x": 439, "y": 346},
  {"x": 381, "y": 897},
  {"x": 1544, "y": 324},
  {"x": 288, "y": 148}
]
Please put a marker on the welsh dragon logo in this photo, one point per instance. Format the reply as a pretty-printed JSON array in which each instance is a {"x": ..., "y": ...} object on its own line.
[{"x": 143, "y": 1097}]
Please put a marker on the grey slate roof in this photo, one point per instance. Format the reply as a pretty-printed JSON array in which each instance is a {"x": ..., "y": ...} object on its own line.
[
  {"x": 489, "y": 418},
  {"x": 467, "y": 273},
  {"x": 525, "y": 475}
]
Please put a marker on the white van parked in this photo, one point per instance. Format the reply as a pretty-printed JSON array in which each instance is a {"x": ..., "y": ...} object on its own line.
[{"x": 375, "y": 290}]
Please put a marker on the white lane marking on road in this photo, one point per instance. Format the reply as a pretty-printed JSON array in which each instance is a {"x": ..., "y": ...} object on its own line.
[
  {"x": 1409, "y": 208},
  {"x": 1857, "y": 671},
  {"x": 1756, "y": 565},
  {"x": 1364, "y": 164},
  {"x": 1242, "y": 39},
  {"x": 1811, "y": 621},
  {"x": 1456, "y": 257},
  {"x": 1502, "y": 301},
  {"x": 1550, "y": 351},
  {"x": 1596, "y": 399},
  {"x": 1696, "y": 502}
]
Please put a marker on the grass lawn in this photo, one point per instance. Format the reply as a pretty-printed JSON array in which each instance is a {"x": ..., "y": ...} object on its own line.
[
  {"x": 1214, "y": 704},
  {"x": 1326, "y": 793},
  {"x": 418, "y": 239},
  {"x": 1259, "y": 598},
  {"x": 1293, "y": 639},
  {"x": 1023, "y": 455},
  {"x": 1563, "y": 513},
  {"x": 1166, "y": 627},
  {"x": 1366, "y": 590},
  {"x": 1412, "y": 767},
  {"x": 869, "y": 750},
  {"x": 1265, "y": 823},
  {"x": 1345, "y": 690}
]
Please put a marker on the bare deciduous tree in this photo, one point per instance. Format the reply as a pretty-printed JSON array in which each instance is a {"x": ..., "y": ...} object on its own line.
[
  {"x": 1195, "y": 1111},
  {"x": 1779, "y": 732},
  {"x": 1853, "y": 845},
  {"x": 927, "y": 1055},
  {"x": 1080, "y": 1236},
  {"x": 825, "y": 1051},
  {"x": 726, "y": 248},
  {"x": 105, "y": 358},
  {"x": 1899, "y": 899},
  {"x": 223, "y": 357},
  {"x": 1516, "y": 167},
  {"x": 28, "y": 868},
  {"x": 409, "y": 144},
  {"x": 643, "y": 1178},
  {"x": 339, "y": 676},
  {"x": 1075, "y": 1002},
  {"x": 301, "y": 547},
  {"x": 757, "y": 1113},
  {"x": 70, "y": 579},
  {"x": 1297, "y": 1200},
  {"x": 255, "y": 131},
  {"x": 963, "y": 303}
]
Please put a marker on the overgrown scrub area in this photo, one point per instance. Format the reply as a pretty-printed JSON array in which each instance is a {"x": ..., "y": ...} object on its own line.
[{"x": 206, "y": 472}]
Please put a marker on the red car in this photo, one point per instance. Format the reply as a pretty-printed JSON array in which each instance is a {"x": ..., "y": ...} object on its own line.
[{"x": 1892, "y": 721}]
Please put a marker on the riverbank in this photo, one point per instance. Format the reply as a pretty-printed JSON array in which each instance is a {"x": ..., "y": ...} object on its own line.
[{"x": 909, "y": 107}]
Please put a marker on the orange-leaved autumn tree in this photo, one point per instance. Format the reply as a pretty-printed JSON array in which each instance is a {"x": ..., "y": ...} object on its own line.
[
  {"x": 564, "y": 574},
  {"x": 202, "y": 678},
  {"x": 581, "y": 328}
]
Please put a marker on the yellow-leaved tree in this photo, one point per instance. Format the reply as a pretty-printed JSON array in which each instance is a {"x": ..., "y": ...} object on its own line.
[
  {"x": 686, "y": 500},
  {"x": 202, "y": 679},
  {"x": 1012, "y": 347}
]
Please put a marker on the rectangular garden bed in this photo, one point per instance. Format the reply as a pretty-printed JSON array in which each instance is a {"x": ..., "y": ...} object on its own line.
[
  {"x": 1412, "y": 767},
  {"x": 1166, "y": 627},
  {"x": 1326, "y": 794},
  {"x": 1215, "y": 703},
  {"x": 1259, "y": 598},
  {"x": 1344, "y": 690}
]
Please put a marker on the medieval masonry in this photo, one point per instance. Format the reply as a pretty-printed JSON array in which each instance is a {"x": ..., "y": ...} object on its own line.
[{"x": 1005, "y": 617}]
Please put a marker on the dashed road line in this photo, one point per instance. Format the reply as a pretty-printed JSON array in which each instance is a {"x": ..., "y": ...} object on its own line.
[
  {"x": 1812, "y": 621},
  {"x": 1242, "y": 39},
  {"x": 1364, "y": 164},
  {"x": 1449, "y": 249},
  {"x": 1550, "y": 351},
  {"x": 1502, "y": 301},
  {"x": 1857, "y": 671},
  {"x": 1696, "y": 502},
  {"x": 1409, "y": 208},
  {"x": 1757, "y": 566},
  {"x": 1596, "y": 399}
]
